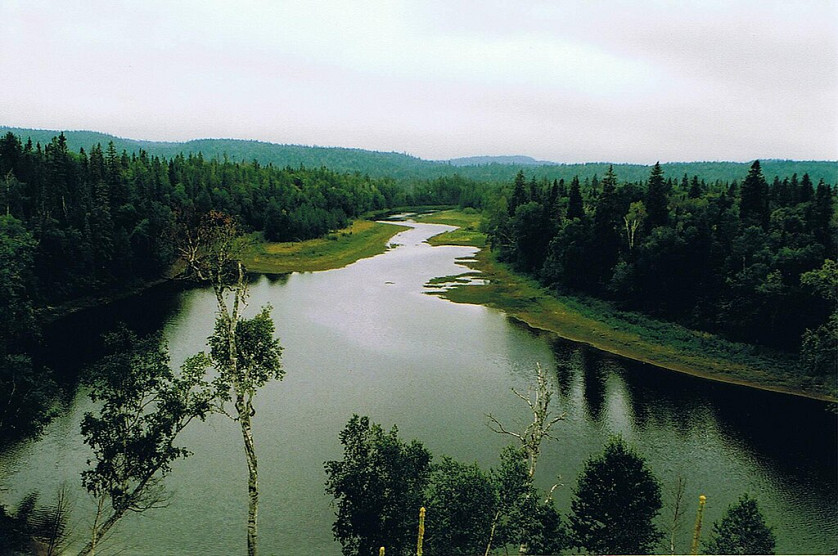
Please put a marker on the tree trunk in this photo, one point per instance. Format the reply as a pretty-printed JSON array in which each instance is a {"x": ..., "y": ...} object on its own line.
[
  {"x": 101, "y": 532},
  {"x": 492, "y": 533},
  {"x": 245, "y": 410}
]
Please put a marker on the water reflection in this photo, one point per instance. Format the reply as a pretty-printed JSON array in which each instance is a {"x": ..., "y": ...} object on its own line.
[{"x": 366, "y": 339}]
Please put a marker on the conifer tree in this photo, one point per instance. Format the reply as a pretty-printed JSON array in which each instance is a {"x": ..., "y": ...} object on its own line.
[
  {"x": 741, "y": 530},
  {"x": 657, "y": 201},
  {"x": 575, "y": 206},
  {"x": 753, "y": 203}
]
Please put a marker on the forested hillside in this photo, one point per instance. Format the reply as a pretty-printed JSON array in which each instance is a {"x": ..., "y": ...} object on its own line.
[
  {"x": 409, "y": 169},
  {"x": 743, "y": 258},
  {"x": 750, "y": 260}
]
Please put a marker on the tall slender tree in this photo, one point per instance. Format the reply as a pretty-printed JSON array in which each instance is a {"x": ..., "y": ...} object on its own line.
[
  {"x": 144, "y": 406},
  {"x": 243, "y": 351},
  {"x": 575, "y": 205},
  {"x": 753, "y": 203},
  {"x": 657, "y": 199}
]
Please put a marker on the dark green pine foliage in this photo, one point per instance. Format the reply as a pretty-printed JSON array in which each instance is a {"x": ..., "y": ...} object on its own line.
[
  {"x": 615, "y": 503},
  {"x": 753, "y": 203},
  {"x": 607, "y": 221},
  {"x": 575, "y": 205},
  {"x": 741, "y": 530},
  {"x": 657, "y": 199},
  {"x": 806, "y": 191},
  {"x": 821, "y": 218},
  {"x": 696, "y": 190},
  {"x": 25, "y": 392},
  {"x": 519, "y": 193}
]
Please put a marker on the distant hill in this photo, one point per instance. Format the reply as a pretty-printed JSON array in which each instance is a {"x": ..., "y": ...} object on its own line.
[
  {"x": 408, "y": 168},
  {"x": 507, "y": 160}
]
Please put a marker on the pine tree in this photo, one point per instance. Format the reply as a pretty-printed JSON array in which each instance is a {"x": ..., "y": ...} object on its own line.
[
  {"x": 519, "y": 193},
  {"x": 657, "y": 201},
  {"x": 742, "y": 530},
  {"x": 575, "y": 206},
  {"x": 753, "y": 203},
  {"x": 696, "y": 190},
  {"x": 821, "y": 216}
]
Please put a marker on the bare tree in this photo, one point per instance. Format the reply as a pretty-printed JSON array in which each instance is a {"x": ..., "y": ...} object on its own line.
[
  {"x": 243, "y": 351},
  {"x": 538, "y": 399},
  {"x": 677, "y": 509}
]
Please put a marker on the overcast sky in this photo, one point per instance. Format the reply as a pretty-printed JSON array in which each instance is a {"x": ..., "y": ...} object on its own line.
[{"x": 621, "y": 81}]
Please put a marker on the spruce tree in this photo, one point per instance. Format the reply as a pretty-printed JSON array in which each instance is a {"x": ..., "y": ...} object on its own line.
[
  {"x": 742, "y": 530},
  {"x": 753, "y": 203},
  {"x": 575, "y": 206},
  {"x": 657, "y": 201}
]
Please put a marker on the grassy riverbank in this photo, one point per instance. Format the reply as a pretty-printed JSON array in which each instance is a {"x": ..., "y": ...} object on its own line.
[
  {"x": 631, "y": 335},
  {"x": 362, "y": 239}
]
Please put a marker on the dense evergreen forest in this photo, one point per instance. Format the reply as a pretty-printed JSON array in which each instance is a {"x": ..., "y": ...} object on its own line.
[
  {"x": 73, "y": 224},
  {"x": 749, "y": 260}
]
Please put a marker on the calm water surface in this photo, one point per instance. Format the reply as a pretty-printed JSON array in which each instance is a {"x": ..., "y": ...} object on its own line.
[{"x": 368, "y": 339}]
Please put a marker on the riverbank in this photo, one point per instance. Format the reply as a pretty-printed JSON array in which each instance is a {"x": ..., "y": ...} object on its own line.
[
  {"x": 362, "y": 239},
  {"x": 595, "y": 322}
]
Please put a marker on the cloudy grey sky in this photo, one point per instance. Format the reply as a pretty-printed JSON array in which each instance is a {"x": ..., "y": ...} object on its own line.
[{"x": 568, "y": 81}]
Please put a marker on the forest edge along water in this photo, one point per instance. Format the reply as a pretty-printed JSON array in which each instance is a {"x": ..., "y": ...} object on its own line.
[
  {"x": 584, "y": 320},
  {"x": 393, "y": 354},
  {"x": 593, "y": 322}
]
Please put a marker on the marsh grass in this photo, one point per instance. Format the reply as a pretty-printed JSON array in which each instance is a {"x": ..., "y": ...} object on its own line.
[
  {"x": 362, "y": 239},
  {"x": 632, "y": 335}
]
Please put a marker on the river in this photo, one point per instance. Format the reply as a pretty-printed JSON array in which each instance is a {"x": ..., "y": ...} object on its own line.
[{"x": 369, "y": 339}]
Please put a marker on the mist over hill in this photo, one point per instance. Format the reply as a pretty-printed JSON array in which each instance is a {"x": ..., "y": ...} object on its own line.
[{"x": 404, "y": 167}]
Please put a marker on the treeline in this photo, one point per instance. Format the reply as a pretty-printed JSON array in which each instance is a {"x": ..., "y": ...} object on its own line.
[
  {"x": 409, "y": 169},
  {"x": 749, "y": 260},
  {"x": 382, "y": 482},
  {"x": 103, "y": 217},
  {"x": 73, "y": 224}
]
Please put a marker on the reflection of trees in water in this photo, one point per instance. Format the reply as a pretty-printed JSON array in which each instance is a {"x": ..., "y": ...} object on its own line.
[
  {"x": 594, "y": 377},
  {"x": 567, "y": 364},
  {"x": 273, "y": 279},
  {"x": 74, "y": 342},
  {"x": 578, "y": 361}
]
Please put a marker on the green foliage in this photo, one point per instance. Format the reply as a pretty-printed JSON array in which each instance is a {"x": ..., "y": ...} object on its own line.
[
  {"x": 378, "y": 489},
  {"x": 26, "y": 392},
  {"x": 143, "y": 406},
  {"x": 657, "y": 201},
  {"x": 615, "y": 503},
  {"x": 409, "y": 168},
  {"x": 461, "y": 500},
  {"x": 513, "y": 486},
  {"x": 819, "y": 352},
  {"x": 258, "y": 355},
  {"x": 741, "y": 530},
  {"x": 753, "y": 205},
  {"x": 693, "y": 261},
  {"x": 382, "y": 482}
]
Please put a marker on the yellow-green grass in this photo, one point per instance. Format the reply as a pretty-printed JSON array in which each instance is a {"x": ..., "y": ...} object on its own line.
[
  {"x": 468, "y": 232},
  {"x": 362, "y": 239},
  {"x": 630, "y": 335}
]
